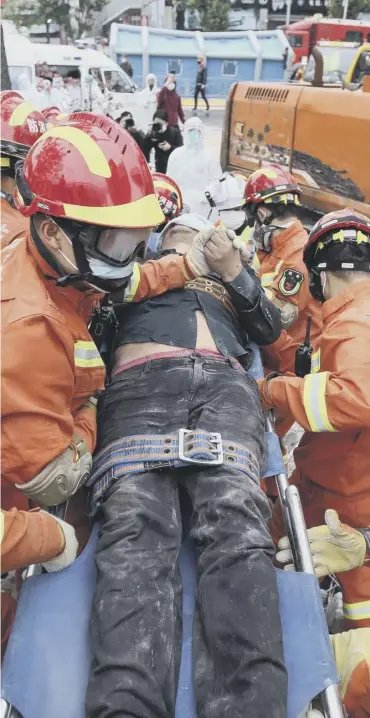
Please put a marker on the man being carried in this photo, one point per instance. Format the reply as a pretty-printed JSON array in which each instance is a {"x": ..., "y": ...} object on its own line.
[{"x": 179, "y": 377}]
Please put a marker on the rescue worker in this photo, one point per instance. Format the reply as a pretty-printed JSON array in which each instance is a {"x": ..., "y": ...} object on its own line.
[
  {"x": 336, "y": 547},
  {"x": 333, "y": 405},
  {"x": 181, "y": 378},
  {"x": 272, "y": 203},
  {"x": 170, "y": 201},
  {"x": 90, "y": 196},
  {"x": 148, "y": 100},
  {"x": 21, "y": 126},
  {"x": 193, "y": 166}
]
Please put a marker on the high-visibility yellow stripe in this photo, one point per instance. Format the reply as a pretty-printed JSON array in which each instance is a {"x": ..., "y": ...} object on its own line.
[
  {"x": 133, "y": 284},
  {"x": 2, "y": 526},
  {"x": 86, "y": 145},
  {"x": 143, "y": 212},
  {"x": 161, "y": 184},
  {"x": 315, "y": 403},
  {"x": 268, "y": 278},
  {"x": 89, "y": 363},
  {"x": 255, "y": 264},
  {"x": 86, "y": 354},
  {"x": 315, "y": 362},
  {"x": 5, "y": 162},
  {"x": 356, "y": 611},
  {"x": 21, "y": 113}
]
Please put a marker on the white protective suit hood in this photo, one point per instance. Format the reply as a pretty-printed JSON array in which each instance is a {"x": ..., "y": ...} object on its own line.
[
  {"x": 193, "y": 166},
  {"x": 151, "y": 77},
  {"x": 226, "y": 200}
]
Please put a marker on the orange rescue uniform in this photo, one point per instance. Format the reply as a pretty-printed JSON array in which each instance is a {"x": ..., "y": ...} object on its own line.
[
  {"x": 287, "y": 254},
  {"x": 333, "y": 406},
  {"x": 50, "y": 365},
  {"x": 13, "y": 224}
]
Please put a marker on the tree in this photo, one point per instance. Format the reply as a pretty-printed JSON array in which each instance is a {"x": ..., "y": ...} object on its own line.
[
  {"x": 355, "y": 7},
  {"x": 214, "y": 14},
  {"x": 30, "y": 12},
  {"x": 5, "y": 77}
]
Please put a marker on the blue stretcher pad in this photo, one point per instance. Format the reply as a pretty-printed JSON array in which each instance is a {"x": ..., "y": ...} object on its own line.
[{"x": 47, "y": 662}]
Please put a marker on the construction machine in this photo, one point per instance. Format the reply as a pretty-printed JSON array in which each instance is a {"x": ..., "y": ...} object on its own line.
[{"x": 322, "y": 135}]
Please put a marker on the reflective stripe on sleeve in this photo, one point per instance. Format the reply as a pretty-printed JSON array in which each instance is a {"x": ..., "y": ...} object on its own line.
[
  {"x": 314, "y": 402},
  {"x": 87, "y": 355},
  {"x": 133, "y": 284},
  {"x": 268, "y": 278},
  {"x": 356, "y": 611},
  {"x": 315, "y": 362}
]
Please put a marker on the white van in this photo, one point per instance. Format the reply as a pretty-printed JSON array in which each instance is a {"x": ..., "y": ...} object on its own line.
[
  {"x": 67, "y": 59},
  {"x": 20, "y": 55}
]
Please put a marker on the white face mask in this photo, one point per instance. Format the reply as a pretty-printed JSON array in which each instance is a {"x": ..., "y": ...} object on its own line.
[
  {"x": 323, "y": 280},
  {"x": 105, "y": 271},
  {"x": 232, "y": 218},
  {"x": 171, "y": 86}
]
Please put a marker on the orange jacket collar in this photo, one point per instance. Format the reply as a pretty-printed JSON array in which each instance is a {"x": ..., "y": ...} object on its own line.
[
  {"x": 347, "y": 295},
  {"x": 286, "y": 234}
]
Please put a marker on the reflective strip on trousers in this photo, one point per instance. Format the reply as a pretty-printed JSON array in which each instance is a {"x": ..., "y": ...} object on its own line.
[
  {"x": 356, "y": 611},
  {"x": 315, "y": 362},
  {"x": 87, "y": 355},
  {"x": 314, "y": 402},
  {"x": 268, "y": 278},
  {"x": 133, "y": 284}
]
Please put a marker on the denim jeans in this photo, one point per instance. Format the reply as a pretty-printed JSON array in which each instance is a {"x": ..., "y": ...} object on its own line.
[{"x": 136, "y": 625}]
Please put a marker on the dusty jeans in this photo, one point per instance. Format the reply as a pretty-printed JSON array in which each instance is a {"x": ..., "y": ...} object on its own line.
[{"x": 238, "y": 655}]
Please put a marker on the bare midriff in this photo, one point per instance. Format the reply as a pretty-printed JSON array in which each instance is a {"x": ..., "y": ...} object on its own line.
[{"x": 130, "y": 352}]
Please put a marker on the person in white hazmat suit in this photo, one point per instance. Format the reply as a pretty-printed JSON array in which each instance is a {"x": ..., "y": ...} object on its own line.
[
  {"x": 59, "y": 96},
  {"x": 29, "y": 91},
  {"x": 148, "y": 102},
  {"x": 193, "y": 166}
]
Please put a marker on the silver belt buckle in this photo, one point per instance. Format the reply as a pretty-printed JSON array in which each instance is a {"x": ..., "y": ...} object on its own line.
[{"x": 215, "y": 440}]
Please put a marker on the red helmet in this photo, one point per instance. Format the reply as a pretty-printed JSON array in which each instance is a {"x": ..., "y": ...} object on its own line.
[
  {"x": 91, "y": 170},
  {"x": 330, "y": 228},
  {"x": 169, "y": 195},
  {"x": 271, "y": 183},
  {"x": 53, "y": 115},
  {"x": 21, "y": 125}
]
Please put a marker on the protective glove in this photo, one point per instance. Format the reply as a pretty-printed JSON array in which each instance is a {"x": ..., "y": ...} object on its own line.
[
  {"x": 335, "y": 547},
  {"x": 70, "y": 548},
  {"x": 195, "y": 258},
  {"x": 352, "y": 657}
]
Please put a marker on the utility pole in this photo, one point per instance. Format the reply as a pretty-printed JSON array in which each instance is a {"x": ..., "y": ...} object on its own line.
[
  {"x": 345, "y": 9},
  {"x": 288, "y": 11}
]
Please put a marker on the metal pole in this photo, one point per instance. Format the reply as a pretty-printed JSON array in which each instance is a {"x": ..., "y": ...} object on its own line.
[
  {"x": 288, "y": 11},
  {"x": 345, "y": 9}
]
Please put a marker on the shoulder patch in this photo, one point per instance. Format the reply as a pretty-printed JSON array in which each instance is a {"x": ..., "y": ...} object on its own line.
[{"x": 290, "y": 282}]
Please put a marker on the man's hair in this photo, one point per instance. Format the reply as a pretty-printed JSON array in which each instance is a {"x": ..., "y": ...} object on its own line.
[
  {"x": 161, "y": 115},
  {"x": 349, "y": 276},
  {"x": 178, "y": 233}
]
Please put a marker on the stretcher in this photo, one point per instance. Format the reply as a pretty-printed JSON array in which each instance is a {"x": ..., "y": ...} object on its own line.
[{"x": 47, "y": 662}]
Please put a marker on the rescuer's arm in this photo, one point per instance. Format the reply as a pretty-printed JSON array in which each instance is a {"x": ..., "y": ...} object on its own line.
[
  {"x": 38, "y": 428},
  {"x": 29, "y": 537},
  {"x": 257, "y": 314},
  {"x": 328, "y": 401}
]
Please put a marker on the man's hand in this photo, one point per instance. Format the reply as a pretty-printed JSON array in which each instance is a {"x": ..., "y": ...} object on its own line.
[
  {"x": 335, "y": 547},
  {"x": 165, "y": 146},
  {"x": 222, "y": 256},
  {"x": 195, "y": 258}
]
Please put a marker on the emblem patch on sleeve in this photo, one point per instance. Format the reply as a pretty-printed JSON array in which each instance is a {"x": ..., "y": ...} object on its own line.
[{"x": 291, "y": 282}]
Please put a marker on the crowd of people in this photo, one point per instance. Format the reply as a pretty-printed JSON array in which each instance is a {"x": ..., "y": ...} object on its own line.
[{"x": 196, "y": 265}]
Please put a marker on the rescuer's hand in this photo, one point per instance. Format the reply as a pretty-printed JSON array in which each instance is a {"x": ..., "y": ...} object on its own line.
[
  {"x": 221, "y": 254},
  {"x": 69, "y": 546},
  {"x": 196, "y": 258},
  {"x": 335, "y": 547},
  {"x": 352, "y": 659}
]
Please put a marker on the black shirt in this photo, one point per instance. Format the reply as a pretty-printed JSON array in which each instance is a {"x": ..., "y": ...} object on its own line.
[
  {"x": 171, "y": 318},
  {"x": 173, "y": 136},
  {"x": 202, "y": 76}
]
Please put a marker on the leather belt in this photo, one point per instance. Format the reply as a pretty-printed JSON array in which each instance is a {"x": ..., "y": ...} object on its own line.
[{"x": 213, "y": 287}]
